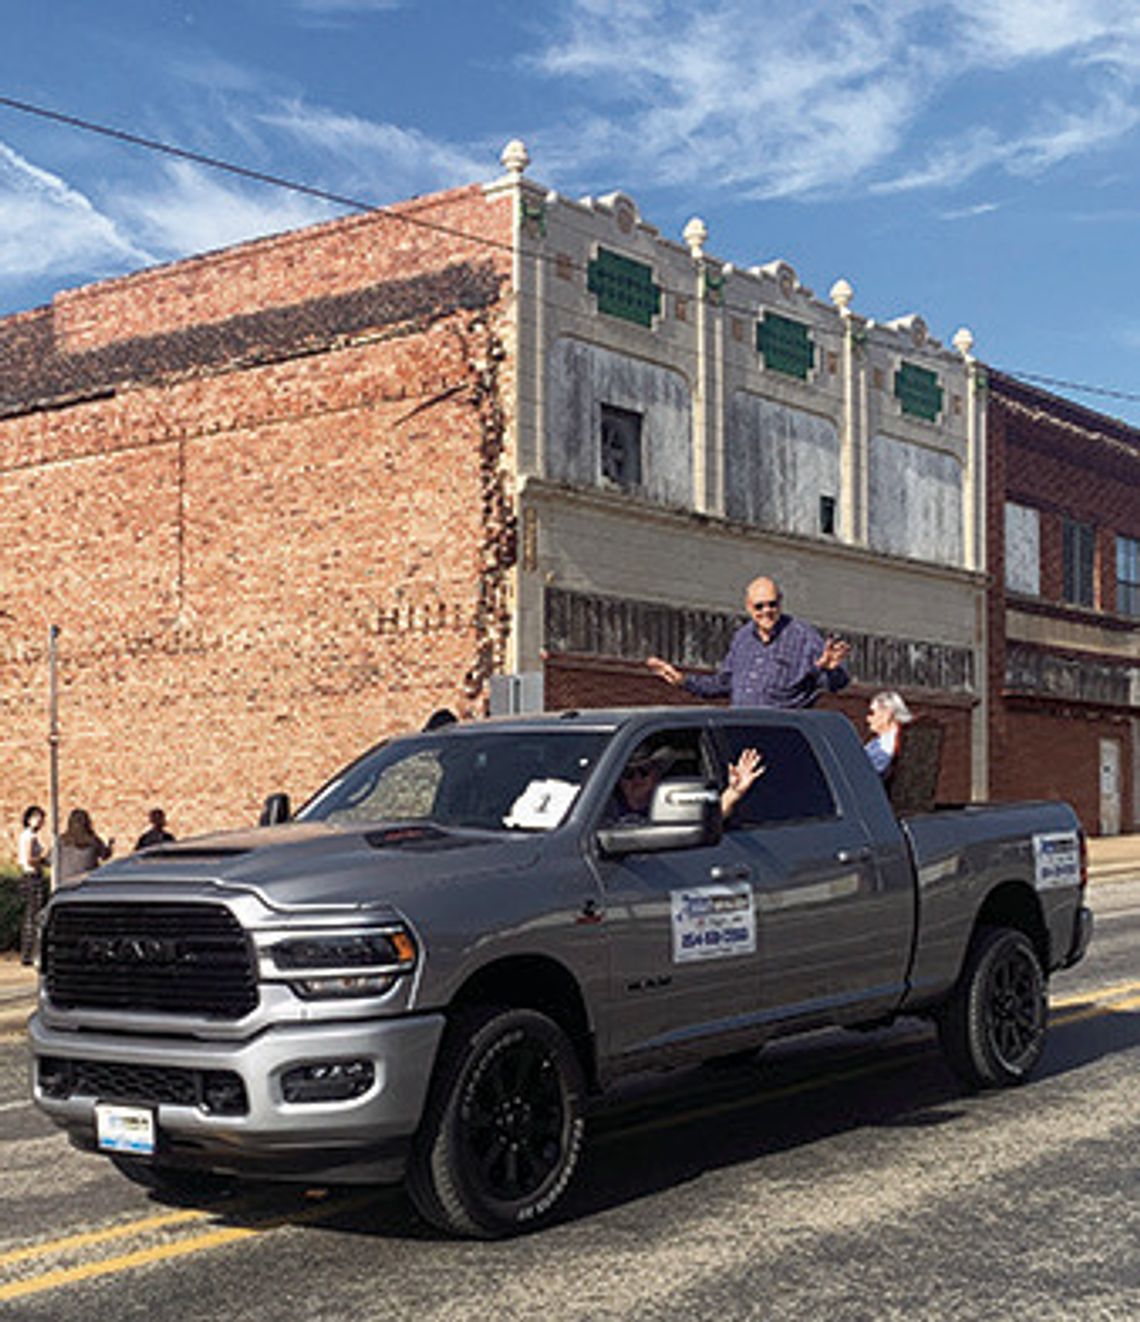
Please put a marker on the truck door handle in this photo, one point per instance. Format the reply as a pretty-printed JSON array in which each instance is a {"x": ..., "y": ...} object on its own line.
[
  {"x": 590, "y": 912},
  {"x": 737, "y": 872},
  {"x": 860, "y": 855}
]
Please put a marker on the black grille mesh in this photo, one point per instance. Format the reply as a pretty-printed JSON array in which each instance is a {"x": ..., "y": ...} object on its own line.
[
  {"x": 191, "y": 959},
  {"x": 153, "y": 1085}
]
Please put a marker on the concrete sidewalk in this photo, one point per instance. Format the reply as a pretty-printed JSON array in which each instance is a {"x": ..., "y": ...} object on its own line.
[{"x": 1110, "y": 858}]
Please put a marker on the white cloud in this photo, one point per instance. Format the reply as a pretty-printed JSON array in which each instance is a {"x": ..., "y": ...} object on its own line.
[
  {"x": 970, "y": 212},
  {"x": 194, "y": 212},
  {"x": 1011, "y": 31},
  {"x": 50, "y": 229},
  {"x": 1061, "y": 136},
  {"x": 382, "y": 160},
  {"x": 772, "y": 100}
]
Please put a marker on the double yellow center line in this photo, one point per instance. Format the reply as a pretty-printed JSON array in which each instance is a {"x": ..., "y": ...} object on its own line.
[
  {"x": 1111, "y": 1000},
  {"x": 1068, "y": 1010},
  {"x": 177, "y": 1248}
]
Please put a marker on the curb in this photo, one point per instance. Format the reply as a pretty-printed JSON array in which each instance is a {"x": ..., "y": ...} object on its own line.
[
  {"x": 14, "y": 1012},
  {"x": 1115, "y": 872}
]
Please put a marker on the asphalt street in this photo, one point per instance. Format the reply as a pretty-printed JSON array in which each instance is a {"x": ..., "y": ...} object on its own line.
[{"x": 842, "y": 1176}]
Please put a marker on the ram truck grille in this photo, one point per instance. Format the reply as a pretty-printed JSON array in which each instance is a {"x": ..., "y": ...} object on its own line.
[
  {"x": 218, "y": 1091},
  {"x": 189, "y": 959}
]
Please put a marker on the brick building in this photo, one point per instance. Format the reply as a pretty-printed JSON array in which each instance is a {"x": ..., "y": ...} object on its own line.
[
  {"x": 487, "y": 446},
  {"x": 262, "y": 493},
  {"x": 1064, "y": 651}
]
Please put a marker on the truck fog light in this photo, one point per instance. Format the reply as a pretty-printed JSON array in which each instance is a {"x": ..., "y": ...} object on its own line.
[
  {"x": 223, "y": 1093},
  {"x": 55, "y": 1077},
  {"x": 353, "y": 984},
  {"x": 328, "y": 1080}
]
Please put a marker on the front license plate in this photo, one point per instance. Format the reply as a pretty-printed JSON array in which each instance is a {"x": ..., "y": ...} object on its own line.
[{"x": 124, "y": 1129}]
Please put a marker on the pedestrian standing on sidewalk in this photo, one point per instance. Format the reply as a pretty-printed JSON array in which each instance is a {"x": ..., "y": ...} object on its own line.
[
  {"x": 32, "y": 859},
  {"x": 776, "y": 661},
  {"x": 80, "y": 848},
  {"x": 156, "y": 833}
]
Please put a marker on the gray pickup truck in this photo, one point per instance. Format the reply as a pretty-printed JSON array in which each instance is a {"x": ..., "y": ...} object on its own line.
[{"x": 467, "y": 933}]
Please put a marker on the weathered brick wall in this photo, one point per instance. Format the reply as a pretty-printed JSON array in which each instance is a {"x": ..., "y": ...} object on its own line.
[
  {"x": 1056, "y": 755},
  {"x": 264, "y": 494},
  {"x": 1064, "y": 461}
]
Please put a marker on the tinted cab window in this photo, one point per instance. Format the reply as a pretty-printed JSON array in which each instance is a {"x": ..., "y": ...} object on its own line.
[{"x": 793, "y": 786}]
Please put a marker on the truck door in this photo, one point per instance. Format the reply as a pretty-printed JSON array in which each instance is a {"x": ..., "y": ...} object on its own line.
[
  {"x": 833, "y": 923},
  {"x": 680, "y": 923}
]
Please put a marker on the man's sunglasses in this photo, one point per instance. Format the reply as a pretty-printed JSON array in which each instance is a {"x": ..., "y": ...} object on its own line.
[
  {"x": 640, "y": 772},
  {"x": 765, "y": 605}
]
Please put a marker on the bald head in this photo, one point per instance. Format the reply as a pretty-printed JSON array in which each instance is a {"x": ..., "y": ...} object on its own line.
[{"x": 762, "y": 601}]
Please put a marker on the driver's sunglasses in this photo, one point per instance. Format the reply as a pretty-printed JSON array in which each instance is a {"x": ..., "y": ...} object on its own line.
[{"x": 640, "y": 772}]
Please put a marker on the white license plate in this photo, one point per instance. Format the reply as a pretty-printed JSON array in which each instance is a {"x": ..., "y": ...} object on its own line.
[{"x": 125, "y": 1129}]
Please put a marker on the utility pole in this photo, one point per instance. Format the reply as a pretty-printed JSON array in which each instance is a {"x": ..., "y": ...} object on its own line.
[{"x": 53, "y": 746}]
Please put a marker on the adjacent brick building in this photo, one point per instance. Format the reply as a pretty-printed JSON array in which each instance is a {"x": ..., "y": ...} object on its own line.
[
  {"x": 486, "y": 447},
  {"x": 263, "y": 495},
  {"x": 1064, "y": 648}
]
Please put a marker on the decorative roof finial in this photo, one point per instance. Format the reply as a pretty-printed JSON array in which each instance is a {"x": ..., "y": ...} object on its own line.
[
  {"x": 963, "y": 341},
  {"x": 515, "y": 158},
  {"x": 695, "y": 233},
  {"x": 841, "y": 295}
]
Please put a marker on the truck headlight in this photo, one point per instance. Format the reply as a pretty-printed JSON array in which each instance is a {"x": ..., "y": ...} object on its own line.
[{"x": 336, "y": 964}]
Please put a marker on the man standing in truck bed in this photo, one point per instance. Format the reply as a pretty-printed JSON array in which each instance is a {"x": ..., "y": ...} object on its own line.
[{"x": 776, "y": 661}]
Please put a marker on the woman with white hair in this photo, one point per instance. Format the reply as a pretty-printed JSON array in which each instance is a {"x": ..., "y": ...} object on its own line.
[{"x": 886, "y": 716}]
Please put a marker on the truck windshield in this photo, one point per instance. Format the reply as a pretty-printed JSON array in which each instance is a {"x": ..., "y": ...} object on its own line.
[{"x": 495, "y": 780}]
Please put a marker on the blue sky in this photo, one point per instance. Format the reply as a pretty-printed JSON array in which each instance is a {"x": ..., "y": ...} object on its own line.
[{"x": 975, "y": 162}]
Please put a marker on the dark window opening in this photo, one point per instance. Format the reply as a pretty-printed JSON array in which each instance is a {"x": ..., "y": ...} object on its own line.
[
  {"x": 621, "y": 446},
  {"x": 827, "y": 515},
  {"x": 793, "y": 787},
  {"x": 665, "y": 755},
  {"x": 1079, "y": 557},
  {"x": 1128, "y": 576}
]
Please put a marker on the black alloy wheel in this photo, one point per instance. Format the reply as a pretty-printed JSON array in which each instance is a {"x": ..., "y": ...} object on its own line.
[
  {"x": 992, "y": 1030},
  {"x": 513, "y": 1117},
  {"x": 503, "y": 1127}
]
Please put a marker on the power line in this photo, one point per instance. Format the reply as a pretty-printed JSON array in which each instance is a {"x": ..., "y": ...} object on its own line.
[
  {"x": 355, "y": 204},
  {"x": 1107, "y": 391},
  {"x": 242, "y": 171}
]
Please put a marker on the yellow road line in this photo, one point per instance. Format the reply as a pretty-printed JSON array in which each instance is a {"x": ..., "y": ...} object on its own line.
[
  {"x": 1095, "y": 1009},
  {"x": 88, "y": 1237},
  {"x": 124, "y": 1262},
  {"x": 1101, "y": 995},
  {"x": 1092, "y": 1004},
  {"x": 162, "y": 1252}
]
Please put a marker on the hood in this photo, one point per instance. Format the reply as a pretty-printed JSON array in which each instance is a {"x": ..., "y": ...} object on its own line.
[{"x": 315, "y": 865}]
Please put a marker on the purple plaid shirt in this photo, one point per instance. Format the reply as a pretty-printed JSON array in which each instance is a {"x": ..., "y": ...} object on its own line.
[{"x": 779, "y": 673}]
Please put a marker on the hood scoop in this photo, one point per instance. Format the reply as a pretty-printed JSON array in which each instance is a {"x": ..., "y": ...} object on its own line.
[
  {"x": 429, "y": 839},
  {"x": 190, "y": 853}
]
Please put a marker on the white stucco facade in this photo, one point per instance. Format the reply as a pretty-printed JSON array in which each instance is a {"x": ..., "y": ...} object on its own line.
[{"x": 769, "y": 431}]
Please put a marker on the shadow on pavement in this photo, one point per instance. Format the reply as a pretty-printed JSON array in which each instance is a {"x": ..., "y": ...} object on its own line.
[{"x": 659, "y": 1132}]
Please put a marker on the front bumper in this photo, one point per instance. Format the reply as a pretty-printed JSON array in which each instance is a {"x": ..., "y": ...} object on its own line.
[{"x": 362, "y": 1138}]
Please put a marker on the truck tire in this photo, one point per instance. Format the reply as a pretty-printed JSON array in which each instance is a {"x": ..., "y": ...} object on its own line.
[
  {"x": 992, "y": 1030},
  {"x": 503, "y": 1125},
  {"x": 171, "y": 1185}
]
